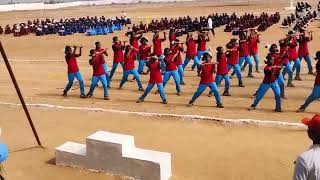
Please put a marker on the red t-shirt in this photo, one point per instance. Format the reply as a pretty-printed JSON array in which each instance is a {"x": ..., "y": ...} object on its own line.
[
  {"x": 222, "y": 68},
  {"x": 118, "y": 53},
  {"x": 245, "y": 49},
  {"x": 129, "y": 60},
  {"x": 317, "y": 81},
  {"x": 72, "y": 64},
  {"x": 253, "y": 45},
  {"x": 207, "y": 75},
  {"x": 202, "y": 45},
  {"x": 284, "y": 54},
  {"x": 303, "y": 48},
  {"x": 191, "y": 48},
  {"x": 155, "y": 73},
  {"x": 172, "y": 37},
  {"x": 233, "y": 57},
  {"x": 134, "y": 42},
  {"x": 97, "y": 66},
  {"x": 144, "y": 51},
  {"x": 292, "y": 50},
  {"x": 271, "y": 74},
  {"x": 171, "y": 64},
  {"x": 157, "y": 47},
  {"x": 176, "y": 48}
]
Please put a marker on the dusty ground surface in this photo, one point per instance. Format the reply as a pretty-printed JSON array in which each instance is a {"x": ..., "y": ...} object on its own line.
[{"x": 200, "y": 150}]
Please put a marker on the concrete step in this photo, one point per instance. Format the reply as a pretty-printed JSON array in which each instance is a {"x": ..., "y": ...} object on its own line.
[{"x": 116, "y": 154}]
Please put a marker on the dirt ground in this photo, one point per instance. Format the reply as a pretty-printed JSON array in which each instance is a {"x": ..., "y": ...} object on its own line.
[{"x": 200, "y": 150}]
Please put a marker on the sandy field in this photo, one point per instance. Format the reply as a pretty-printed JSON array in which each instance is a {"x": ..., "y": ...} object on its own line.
[{"x": 200, "y": 150}]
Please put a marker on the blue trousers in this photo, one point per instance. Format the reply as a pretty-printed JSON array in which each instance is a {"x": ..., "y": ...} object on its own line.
[
  {"x": 313, "y": 96},
  {"x": 181, "y": 72},
  {"x": 94, "y": 82},
  {"x": 308, "y": 61},
  {"x": 288, "y": 69},
  {"x": 262, "y": 91},
  {"x": 176, "y": 77},
  {"x": 187, "y": 60},
  {"x": 226, "y": 78},
  {"x": 149, "y": 88},
  {"x": 142, "y": 63},
  {"x": 247, "y": 60},
  {"x": 135, "y": 73},
  {"x": 105, "y": 67},
  {"x": 236, "y": 68},
  {"x": 114, "y": 67},
  {"x": 280, "y": 81},
  {"x": 297, "y": 67},
  {"x": 71, "y": 78},
  {"x": 214, "y": 89},
  {"x": 256, "y": 60},
  {"x": 199, "y": 55},
  {"x": 162, "y": 63}
]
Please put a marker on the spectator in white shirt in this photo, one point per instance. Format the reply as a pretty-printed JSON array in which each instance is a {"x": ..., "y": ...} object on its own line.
[
  {"x": 210, "y": 25},
  {"x": 307, "y": 165}
]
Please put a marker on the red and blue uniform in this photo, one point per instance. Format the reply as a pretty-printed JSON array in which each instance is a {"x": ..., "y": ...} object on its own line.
[{"x": 73, "y": 72}]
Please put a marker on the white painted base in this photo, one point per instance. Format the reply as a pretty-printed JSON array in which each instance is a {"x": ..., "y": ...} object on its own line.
[{"x": 116, "y": 154}]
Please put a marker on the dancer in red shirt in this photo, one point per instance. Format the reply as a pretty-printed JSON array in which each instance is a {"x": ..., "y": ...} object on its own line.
[
  {"x": 207, "y": 72},
  {"x": 155, "y": 79},
  {"x": 144, "y": 51},
  {"x": 73, "y": 70},
  {"x": 177, "y": 47},
  {"x": 118, "y": 56},
  {"x": 303, "y": 50},
  {"x": 191, "y": 51},
  {"x": 222, "y": 71},
  {"x": 233, "y": 59},
  {"x": 157, "y": 48}
]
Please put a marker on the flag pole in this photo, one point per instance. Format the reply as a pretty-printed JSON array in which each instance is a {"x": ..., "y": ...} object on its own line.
[{"x": 4, "y": 56}]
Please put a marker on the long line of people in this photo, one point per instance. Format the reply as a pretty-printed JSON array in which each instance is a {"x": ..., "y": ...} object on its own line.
[
  {"x": 88, "y": 25},
  {"x": 162, "y": 65}
]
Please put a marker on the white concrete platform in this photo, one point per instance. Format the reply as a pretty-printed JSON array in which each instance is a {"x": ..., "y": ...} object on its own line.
[{"x": 116, "y": 154}]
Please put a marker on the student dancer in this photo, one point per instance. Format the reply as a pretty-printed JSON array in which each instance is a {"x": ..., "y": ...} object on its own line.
[
  {"x": 293, "y": 54},
  {"x": 73, "y": 70},
  {"x": 254, "y": 40},
  {"x": 171, "y": 69},
  {"x": 177, "y": 47},
  {"x": 284, "y": 51},
  {"x": 282, "y": 60},
  {"x": 203, "y": 38},
  {"x": 315, "y": 94},
  {"x": 97, "y": 61},
  {"x": 103, "y": 52},
  {"x": 233, "y": 59},
  {"x": 303, "y": 50},
  {"x": 207, "y": 72},
  {"x": 191, "y": 51},
  {"x": 155, "y": 79},
  {"x": 118, "y": 56},
  {"x": 172, "y": 36},
  {"x": 144, "y": 51},
  {"x": 222, "y": 71},
  {"x": 157, "y": 47},
  {"x": 129, "y": 68},
  {"x": 244, "y": 53},
  {"x": 271, "y": 73}
]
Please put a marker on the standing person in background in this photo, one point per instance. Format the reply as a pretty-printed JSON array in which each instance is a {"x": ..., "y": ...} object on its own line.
[
  {"x": 73, "y": 70},
  {"x": 244, "y": 53},
  {"x": 233, "y": 59},
  {"x": 203, "y": 38},
  {"x": 177, "y": 47},
  {"x": 101, "y": 53},
  {"x": 144, "y": 51},
  {"x": 207, "y": 72},
  {"x": 155, "y": 79},
  {"x": 316, "y": 89},
  {"x": 210, "y": 25},
  {"x": 191, "y": 51},
  {"x": 293, "y": 54},
  {"x": 118, "y": 56},
  {"x": 307, "y": 165},
  {"x": 271, "y": 73},
  {"x": 157, "y": 48},
  {"x": 303, "y": 50},
  {"x": 97, "y": 61},
  {"x": 129, "y": 68},
  {"x": 171, "y": 69},
  {"x": 254, "y": 40}
]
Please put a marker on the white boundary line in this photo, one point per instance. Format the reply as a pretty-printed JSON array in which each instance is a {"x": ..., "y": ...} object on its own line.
[{"x": 260, "y": 123}]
